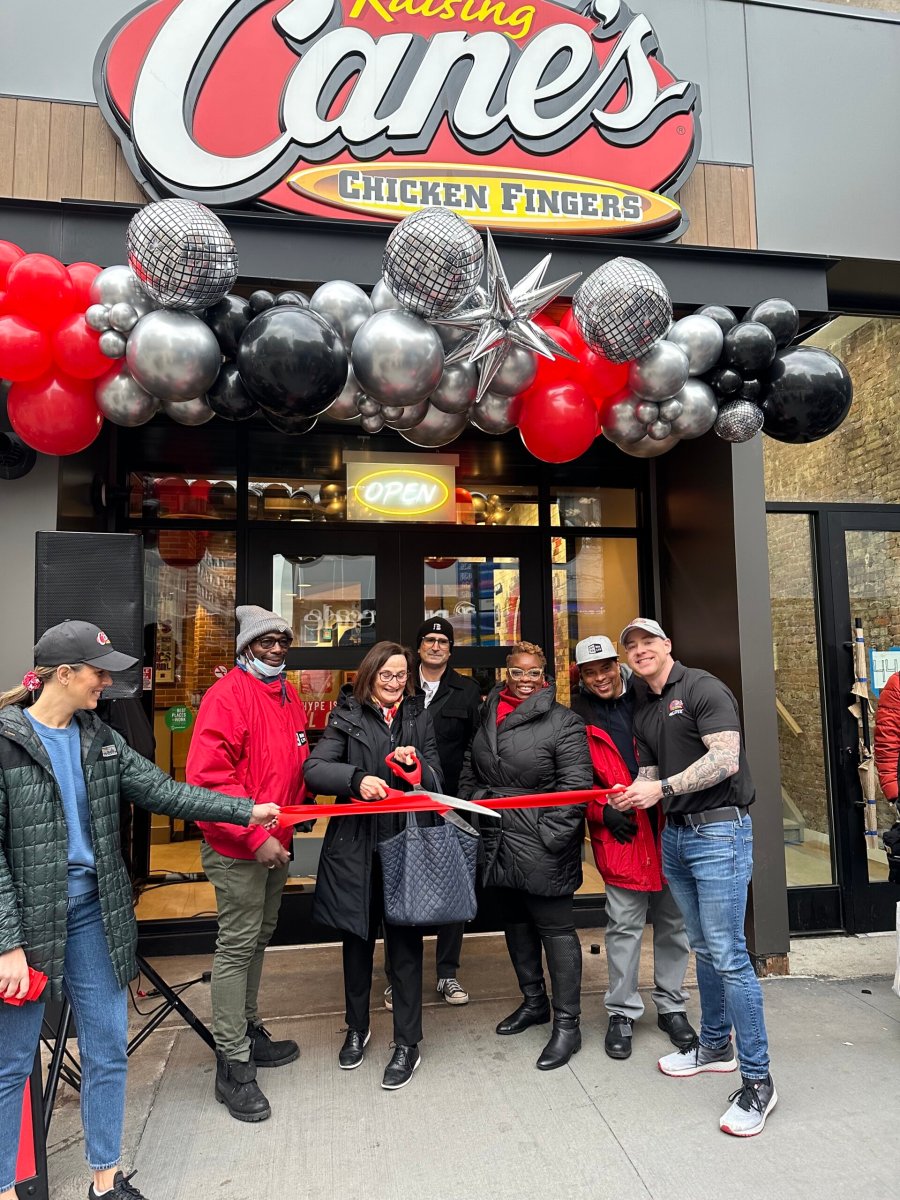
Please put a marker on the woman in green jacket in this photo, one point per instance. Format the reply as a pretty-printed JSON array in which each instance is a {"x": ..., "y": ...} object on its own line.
[{"x": 65, "y": 895}]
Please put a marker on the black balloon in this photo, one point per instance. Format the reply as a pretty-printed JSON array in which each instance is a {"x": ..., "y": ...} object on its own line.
[
  {"x": 228, "y": 398},
  {"x": 295, "y": 298},
  {"x": 228, "y": 319},
  {"x": 722, "y": 316},
  {"x": 292, "y": 362},
  {"x": 290, "y": 422},
  {"x": 260, "y": 301},
  {"x": 807, "y": 395},
  {"x": 752, "y": 391},
  {"x": 749, "y": 347},
  {"x": 726, "y": 381},
  {"x": 778, "y": 315}
]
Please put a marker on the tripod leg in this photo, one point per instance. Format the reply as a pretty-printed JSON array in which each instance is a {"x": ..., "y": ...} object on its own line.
[
  {"x": 175, "y": 1002},
  {"x": 56, "y": 1062}
]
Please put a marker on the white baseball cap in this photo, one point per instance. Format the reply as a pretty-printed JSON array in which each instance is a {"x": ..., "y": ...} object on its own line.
[
  {"x": 592, "y": 649},
  {"x": 647, "y": 624}
]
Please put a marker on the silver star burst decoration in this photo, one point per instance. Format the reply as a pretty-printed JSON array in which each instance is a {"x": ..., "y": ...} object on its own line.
[{"x": 506, "y": 320}]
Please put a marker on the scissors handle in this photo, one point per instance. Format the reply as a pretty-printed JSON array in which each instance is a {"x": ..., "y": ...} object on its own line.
[{"x": 412, "y": 774}]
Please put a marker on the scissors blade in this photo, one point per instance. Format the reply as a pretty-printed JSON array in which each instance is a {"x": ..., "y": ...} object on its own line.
[{"x": 464, "y": 805}]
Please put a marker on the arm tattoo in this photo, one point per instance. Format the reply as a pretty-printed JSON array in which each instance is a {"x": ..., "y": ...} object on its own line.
[
  {"x": 648, "y": 773},
  {"x": 721, "y": 760}
]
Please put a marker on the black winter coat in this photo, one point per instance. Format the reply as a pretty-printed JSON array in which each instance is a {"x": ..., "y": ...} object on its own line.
[
  {"x": 540, "y": 747},
  {"x": 455, "y": 712},
  {"x": 356, "y": 742}
]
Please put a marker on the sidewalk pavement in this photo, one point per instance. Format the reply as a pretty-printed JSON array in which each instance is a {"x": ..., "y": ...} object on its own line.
[{"x": 479, "y": 1121}]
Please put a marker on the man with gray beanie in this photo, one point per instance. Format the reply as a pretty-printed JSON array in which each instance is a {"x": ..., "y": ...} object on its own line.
[{"x": 249, "y": 739}]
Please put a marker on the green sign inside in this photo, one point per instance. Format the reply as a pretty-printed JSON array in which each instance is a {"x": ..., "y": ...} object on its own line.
[{"x": 179, "y": 717}]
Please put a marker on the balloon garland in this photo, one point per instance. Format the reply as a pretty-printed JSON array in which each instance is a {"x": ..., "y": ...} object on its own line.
[{"x": 427, "y": 354}]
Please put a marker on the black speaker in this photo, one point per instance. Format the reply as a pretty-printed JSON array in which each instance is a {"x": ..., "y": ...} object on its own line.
[{"x": 97, "y": 577}]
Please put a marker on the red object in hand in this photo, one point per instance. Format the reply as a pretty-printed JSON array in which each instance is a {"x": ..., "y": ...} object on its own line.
[
  {"x": 412, "y": 774},
  {"x": 37, "y": 981}
]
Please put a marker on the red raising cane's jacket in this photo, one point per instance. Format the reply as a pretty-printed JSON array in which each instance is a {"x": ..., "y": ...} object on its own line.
[
  {"x": 249, "y": 740},
  {"x": 887, "y": 736}
]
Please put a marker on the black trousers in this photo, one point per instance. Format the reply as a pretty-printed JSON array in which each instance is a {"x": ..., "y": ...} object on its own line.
[
  {"x": 551, "y": 916},
  {"x": 404, "y": 946},
  {"x": 446, "y": 955}
]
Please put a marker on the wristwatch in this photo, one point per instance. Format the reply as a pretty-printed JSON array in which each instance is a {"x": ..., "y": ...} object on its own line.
[{"x": 667, "y": 790}]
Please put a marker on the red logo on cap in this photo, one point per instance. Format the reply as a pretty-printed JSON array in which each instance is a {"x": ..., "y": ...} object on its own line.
[{"x": 102, "y": 638}]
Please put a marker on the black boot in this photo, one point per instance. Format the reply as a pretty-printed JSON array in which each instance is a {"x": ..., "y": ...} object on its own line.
[
  {"x": 266, "y": 1052},
  {"x": 237, "y": 1089},
  {"x": 524, "y": 947},
  {"x": 564, "y": 964}
]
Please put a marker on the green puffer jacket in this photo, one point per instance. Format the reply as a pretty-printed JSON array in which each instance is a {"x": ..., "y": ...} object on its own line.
[{"x": 34, "y": 841}]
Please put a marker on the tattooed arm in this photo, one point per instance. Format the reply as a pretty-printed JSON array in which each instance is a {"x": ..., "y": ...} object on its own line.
[
  {"x": 722, "y": 759},
  {"x": 645, "y": 786}
]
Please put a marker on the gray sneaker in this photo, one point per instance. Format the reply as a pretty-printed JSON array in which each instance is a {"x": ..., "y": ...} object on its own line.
[
  {"x": 750, "y": 1105},
  {"x": 452, "y": 991},
  {"x": 695, "y": 1059},
  {"x": 389, "y": 998}
]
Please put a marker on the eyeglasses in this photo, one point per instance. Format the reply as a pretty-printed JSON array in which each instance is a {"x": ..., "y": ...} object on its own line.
[
  {"x": 518, "y": 673},
  {"x": 269, "y": 643},
  {"x": 439, "y": 643},
  {"x": 390, "y": 676}
]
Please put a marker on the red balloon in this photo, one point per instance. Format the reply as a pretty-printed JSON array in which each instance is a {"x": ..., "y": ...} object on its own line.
[
  {"x": 555, "y": 370},
  {"x": 9, "y": 253},
  {"x": 182, "y": 548},
  {"x": 559, "y": 422},
  {"x": 2, "y": 302},
  {"x": 82, "y": 276},
  {"x": 567, "y": 322},
  {"x": 545, "y": 321},
  {"x": 24, "y": 351},
  {"x": 173, "y": 494},
  {"x": 39, "y": 289},
  {"x": 602, "y": 377},
  {"x": 55, "y": 414},
  {"x": 76, "y": 349}
]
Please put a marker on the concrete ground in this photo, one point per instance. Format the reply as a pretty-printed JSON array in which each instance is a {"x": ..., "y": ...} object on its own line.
[{"x": 479, "y": 1121}]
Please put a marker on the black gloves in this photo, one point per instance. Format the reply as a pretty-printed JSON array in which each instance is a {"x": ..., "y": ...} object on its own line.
[{"x": 623, "y": 826}]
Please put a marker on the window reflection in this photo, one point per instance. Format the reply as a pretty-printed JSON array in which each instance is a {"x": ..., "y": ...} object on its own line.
[
  {"x": 478, "y": 596},
  {"x": 327, "y": 599}
]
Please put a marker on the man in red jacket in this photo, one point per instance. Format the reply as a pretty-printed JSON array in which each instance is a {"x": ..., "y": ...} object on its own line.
[
  {"x": 249, "y": 739},
  {"x": 627, "y": 852}
]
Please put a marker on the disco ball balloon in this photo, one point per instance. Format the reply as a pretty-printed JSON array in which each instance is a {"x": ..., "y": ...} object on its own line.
[
  {"x": 173, "y": 355},
  {"x": 436, "y": 428},
  {"x": 433, "y": 260},
  {"x": 621, "y": 309},
  {"x": 739, "y": 421},
  {"x": 190, "y": 412},
  {"x": 182, "y": 254},
  {"x": 397, "y": 358},
  {"x": 493, "y": 414},
  {"x": 122, "y": 400}
]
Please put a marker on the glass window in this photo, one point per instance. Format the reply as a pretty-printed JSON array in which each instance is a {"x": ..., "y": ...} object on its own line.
[
  {"x": 328, "y": 599},
  {"x": 478, "y": 596},
  {"x": 595, "y": 590},
  {"x": 476, "y": 505},
  {"x": 802, "y": 753},
  {"x": 593, "y": 506},
  {"x": 173, "y": 497}
]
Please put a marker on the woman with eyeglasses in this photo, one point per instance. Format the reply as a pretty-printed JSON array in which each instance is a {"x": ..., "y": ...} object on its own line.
[
  {"x": 528, "y": 743},
  {"x": 378, "y": 714}
]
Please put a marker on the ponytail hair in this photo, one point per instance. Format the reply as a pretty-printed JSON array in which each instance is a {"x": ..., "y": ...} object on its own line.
[{"x": 18, "y": 695}]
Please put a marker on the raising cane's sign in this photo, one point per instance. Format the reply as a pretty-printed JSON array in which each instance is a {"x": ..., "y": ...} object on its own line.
[{"x": 549, "y": 116}]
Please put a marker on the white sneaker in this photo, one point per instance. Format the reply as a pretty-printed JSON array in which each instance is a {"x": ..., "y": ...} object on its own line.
[
  {"x": 696, "y": 1059},
  {"x": 389, "y": 998},
  {"x": 452, "y": 991},
  {"x": 751, "y": 1104}
]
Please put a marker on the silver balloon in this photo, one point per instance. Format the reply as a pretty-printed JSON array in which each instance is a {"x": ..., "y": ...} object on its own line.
[
  {"x": 344, "y": 306},
  {"x": 670, "y": 409},
  {"x": 659, "y": 430},
  {"x": 345, "y": 406},
  {"x": 456, "y": 391},
  {"x": 366, "y": 406},
  {"x": 97, "y": 317},
  {"x": 647, "y": 411},
  {"x": 492, "y": 414},
  {"x": 433, "y": 259},
  {"x": 122, "y": 400},
  {"x": 397, "y": 358},
  {"x": 182, "y": 253},
  {"x": 739, "y": 421},
  {"x": 648, "y": 448},
  {"x": 189, "y": 412},
  {"x": 173, "y": 355},
  {"x": 698, "y": 409},
  {"x": 404, "y": 418},
  {"x": 123, "y": 317},
  {"x": 622, "y": 424},
  {"x": 701, "y": 339},
  {"x": 621, "y": 309},
  {"x": 373, "y": 423},
  {"x": 383, "y": 298},
  {"x": 660, "y": 373},
  {"x": 517, "y": 372},
  {"x": 436, "y": 428},
  {"x": 111, "y": 344},
  {"x": 120, "y": 285}
]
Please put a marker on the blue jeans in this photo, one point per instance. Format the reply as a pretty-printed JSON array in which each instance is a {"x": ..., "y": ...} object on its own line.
[
  {"x": 101, "y": 1019},
  {"x": 709, "y": 869}
]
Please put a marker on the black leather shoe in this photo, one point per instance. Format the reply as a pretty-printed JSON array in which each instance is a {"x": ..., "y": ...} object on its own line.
[
  {"x": 268, "y": 1053},
  {"x": 565, "y": 1040},
  {"x": 399, "y": 1070},
  {"x": 237, "y": 1089},
  {"x": 534, "y": 1010},
  {"x": 353, "y": 1050},
  {"x": 681, "y": 1032},
  {"x": 617, "y": 1042}
]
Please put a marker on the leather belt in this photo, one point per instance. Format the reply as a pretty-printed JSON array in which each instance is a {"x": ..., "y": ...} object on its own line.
[{"x": 732, "y": 813}]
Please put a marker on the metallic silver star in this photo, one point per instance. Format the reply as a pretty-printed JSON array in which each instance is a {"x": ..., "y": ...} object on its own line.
[{"x": 506, "y": 320}]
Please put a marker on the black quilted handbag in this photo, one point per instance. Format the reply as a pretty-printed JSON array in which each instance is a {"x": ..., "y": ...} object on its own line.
[{"x": 429, "y": 874}]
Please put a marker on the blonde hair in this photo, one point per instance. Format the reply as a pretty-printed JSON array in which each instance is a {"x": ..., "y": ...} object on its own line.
[
  {"x": 18, "y": 694},
  {"x": 531, "y": 648}
]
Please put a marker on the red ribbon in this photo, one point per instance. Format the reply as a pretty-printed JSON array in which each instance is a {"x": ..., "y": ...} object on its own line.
[{"x": 401, "y": 802}]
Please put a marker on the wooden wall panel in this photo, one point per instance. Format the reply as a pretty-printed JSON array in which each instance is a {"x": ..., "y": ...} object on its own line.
[
  {"x": 66, "y": 151},
  {"x": 692, "y": 199},
  {"x": 720, "y": 201},
  {"x": 32, "y": 150},
  {"x": 127, "y": 187},
  {"x": 98, "y": 175},
  {"x": 7, "y": 144}
]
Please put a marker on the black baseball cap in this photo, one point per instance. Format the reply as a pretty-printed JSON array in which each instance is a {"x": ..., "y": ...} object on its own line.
[{"x": 79, "y": 642}]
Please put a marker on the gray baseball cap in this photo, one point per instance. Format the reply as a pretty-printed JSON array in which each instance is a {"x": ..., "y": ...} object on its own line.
[
  {"x": 594, "y": 649},
  {"x": 647, "y": 625},
  {"x": 79, "y": 642}
]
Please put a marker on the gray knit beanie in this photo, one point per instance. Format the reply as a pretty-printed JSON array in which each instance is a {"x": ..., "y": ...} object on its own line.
[{"x": 254, "y": 622}]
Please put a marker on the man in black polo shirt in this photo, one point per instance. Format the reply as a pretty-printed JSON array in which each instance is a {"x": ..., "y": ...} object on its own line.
[{"x": 691, "y": 757}]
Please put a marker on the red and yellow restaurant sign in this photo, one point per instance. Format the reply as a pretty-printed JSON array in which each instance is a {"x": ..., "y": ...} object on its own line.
[{"x": 553, "y": 116}]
